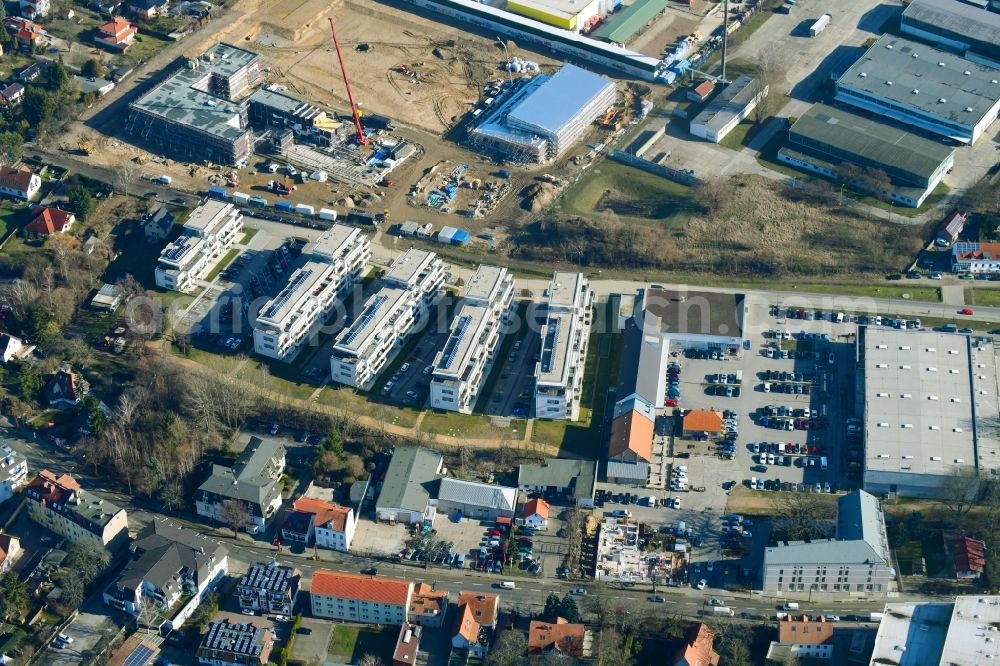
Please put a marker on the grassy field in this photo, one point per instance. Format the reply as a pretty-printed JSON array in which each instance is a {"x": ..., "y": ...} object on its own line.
[
  {"x": 630, "y": 193},
  {"x": 476, "y": 426},
  {"x": 12, "y": 217},
  {"x": 278, "y": 377},
  {"x": 985, "y": 297},
  {"x": 346, "y": 398},
  {"x": 223, "y": 263},
  {"x": 350, "y": 642},
  {"x": 248, "y": 233},
  {"x": 930, "y": 294},
  {"x": 145, "y": 47}
]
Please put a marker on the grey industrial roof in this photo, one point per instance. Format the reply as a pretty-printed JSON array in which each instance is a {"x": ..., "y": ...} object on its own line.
[
  {"x": 179, "y": 100},
  {"x": 964, "y": 21},
  {"x": 578, "y": 475},
  {"x": 915, "y": 75},
  {"x": 491, "y": 496},
  {"x": 918, "y": 401},
  {"x": 281, "y": 102},
  {"x": 870, "y": 140},
  {"x": 557, "y": 101},
  {"x": 641, "y": 372},
  {"x": 626, "y": 470},
  {"x": 728, "y": 103},
  {"x": 696, "y": 312},
  {"x": 409, "y": 478},
  {"x": 967, "y": 641},
  {"x": 859, "y": 518},
  {"x": 251, "y": 477},
  {"x": 165, "y": 552}
]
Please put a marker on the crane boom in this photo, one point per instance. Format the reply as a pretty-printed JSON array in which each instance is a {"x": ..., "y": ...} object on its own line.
[{"x": 359, "y": 135}]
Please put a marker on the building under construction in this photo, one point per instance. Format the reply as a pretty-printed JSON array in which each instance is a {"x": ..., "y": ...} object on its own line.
[
  {"x": 544, "y": 115},
  {"x": 194, "y": 114}
]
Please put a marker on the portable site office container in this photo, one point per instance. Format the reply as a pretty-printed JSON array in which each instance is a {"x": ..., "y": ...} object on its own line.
[{"x": 304, "y": 209}]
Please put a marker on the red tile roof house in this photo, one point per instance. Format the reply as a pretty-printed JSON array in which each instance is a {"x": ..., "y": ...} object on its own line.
[
  {"x": 19, "y": 183},
  {"x": 358, "y": 598},
  {"x": 560, "y": 638},
  {"x": 969, "y": 557},
  {"x": 535, "y": 514},
  {"x": 117, "y": 34},
  {"x": 474, "y": 622},
  {"x": 696, "y": 649},
  {"x": 48, "y": 221}
]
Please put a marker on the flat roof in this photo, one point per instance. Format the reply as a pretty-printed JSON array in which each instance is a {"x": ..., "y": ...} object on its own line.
[
  {"x": 302, "y": 284},
  {"x": 578, "y": 475},
  {"x": 182, "y": 252},
  {"x": 566, "y": 290},
  {"x": 556, "y": 103},
  {"x": 919, "y": 628},
  {"x": 486, "y": 284},
  {"x": 336, "y": 242},
  {"x": 695, "y": 312},
  {"x": 871, "y": 140},
  {"x": 557, "y": 333},
  {"x": 275, "y": 99},
  {"x": 208, "y": 217},
  {"x": 562, "y": 8},
  {"x": 409, "y": 478},
  {"x": 408, "y": 266},
  {"x": 183, "y": 99},
  {"x": 972, "y": 630},
  {"x": 918, "y": 402},
  {"x": 621, "y": 27},
  {"x": 379, "y": 309},
  {"x": 728, "y": 103},
  {"x": 964, "y": 21},
  {"x": 919, "y": 76},
  {"x": 466, "y": 328}
]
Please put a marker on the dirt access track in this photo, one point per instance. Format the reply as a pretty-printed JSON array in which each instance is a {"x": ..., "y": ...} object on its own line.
[{"x": 419, "y": 72}]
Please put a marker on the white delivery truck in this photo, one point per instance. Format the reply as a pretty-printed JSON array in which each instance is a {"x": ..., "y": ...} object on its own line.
[
  {"x": 725, "y": 611},
  {"x": 790, "y": 606},
  {"x": 507, "y": 585}
]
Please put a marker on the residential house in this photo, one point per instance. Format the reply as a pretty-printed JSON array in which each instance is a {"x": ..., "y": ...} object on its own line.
[
  {"x": 696, "y": 648},
  {"x": 117, "y": 34},
  {"x": 19, "y": 183},
  {"x": 316, "y": 521},
  {"x": 969, "y": 557},
  {"x": 13, "y": 348},
  {"x": 28, "y": 35},
  {"x": 92, "y": 85},
  {"x": 409, "y": 481},
  {"x": 33, "y": 9},
  {"x": 560, "y": 638},
  {"x": 147, "y": 9},
  {"x": 535, "y": 514},
  {"x": 107, "y": 298},
  {"x": 949, "y": 230},
  {"x": 471, "y": 499},
  {"x": 13, "y": 471},
  {"x": 170, "y": 571},
  {"x": 64, "y": 388},
  {"x": 975, "y": 257},
  {"x": 47, "y": 221},
  {"x": 254, "y": 479},
  {"x": 12, "y": 94},
  {"x": 59, "y": 504},
  {"x": 139, "y": 649},
  {"x": 702, "y": 423},
  {"x": 574, "y": 479},
  {"x": 358, "y": 598},
  {"x": 630, "y": 443},
  {"x": 805, "y": 638},
  {"x": 428, "y": 606},
  {"x": 407, "y": 645},
  {"x": 10, "y": 550},
  {"x": 32, "y": 71},
  {"x": 269, "y": 588},
  {"x": 475, "y": 621},
  {"x": 157, "y": 224},
  {"x": 226, "y": 644}
]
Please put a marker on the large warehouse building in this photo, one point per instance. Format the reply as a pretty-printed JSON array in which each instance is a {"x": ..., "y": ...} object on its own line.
[
  {"x": 954, "y": 25},
  {"x": 546, "y": 115},
  {"x": 194, "y": 114},
  {"x": 925, "y": 87},
  {"x": 826, "y": 137},
  {"x": 925, "y": 395},
  {"x": 728, "y": 109}
]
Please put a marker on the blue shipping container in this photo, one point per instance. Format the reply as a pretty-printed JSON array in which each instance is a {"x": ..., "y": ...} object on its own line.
[
  {"x": 460, "y": 237},
  {"x": 283, "y": 205},
  {"x": 218, "y": 192}
]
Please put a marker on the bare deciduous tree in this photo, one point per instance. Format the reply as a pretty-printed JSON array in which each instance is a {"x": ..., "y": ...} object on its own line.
[{"x": 235, "y": 515}]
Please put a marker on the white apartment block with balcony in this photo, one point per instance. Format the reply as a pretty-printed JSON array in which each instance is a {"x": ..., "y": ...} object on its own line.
[
  {"x": 13, "y": 472},
  {"x": 210, "y": 230},
  {"x": 565, "y": 334},
  {"x": 362, "y": 350},
  {"x": 468, "y": 354}
]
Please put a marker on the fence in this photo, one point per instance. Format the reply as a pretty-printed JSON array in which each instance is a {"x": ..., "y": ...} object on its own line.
[{"x": 665, "y": 172}]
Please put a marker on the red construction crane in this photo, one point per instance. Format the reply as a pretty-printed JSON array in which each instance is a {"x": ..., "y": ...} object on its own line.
[{"x": 359, "y": 135}]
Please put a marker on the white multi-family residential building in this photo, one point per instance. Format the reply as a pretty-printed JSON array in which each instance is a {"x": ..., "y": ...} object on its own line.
[
  {"x": 269, "y": 588},
  {"x": 326, "y": 524},
  {"x": 465, "y": 361},
  {"x": 565, "y": 334},
  {"x": 359, "y": 598},
  {"x": 209, "y": 231},
  {"x": 13, "y": 471},
  {"x": 254, "y": 480},
  {"x": 58, "y": 503},
  {"x": 286, "y": 322},
  {"x": 412, "y": 285},
  {"x": 167, "y": 563}
]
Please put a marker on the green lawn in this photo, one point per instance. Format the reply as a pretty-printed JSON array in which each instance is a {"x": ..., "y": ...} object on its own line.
[
  {"x": 12, "y": 217},
  {"x": 740, "y": 136},
  {"x": 276, "y": 376},
  {"x": 939, "y": 193},
  {"x": 223, "y": 263},
  {"x": 930, "y": 294},
  {"x": 662, "y": 198},
  {"x": 348, "y": 399},
  {"x": 145, "y": 47},
  {"x": 985, "y": 297},
  {"x": 350, "y": 642},
  {"x": 476, "y": 426},
  {"x": 248, "y": 233}
]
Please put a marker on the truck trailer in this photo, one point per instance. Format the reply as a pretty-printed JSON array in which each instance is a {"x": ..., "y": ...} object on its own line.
[{"x": 819, "y": 25}]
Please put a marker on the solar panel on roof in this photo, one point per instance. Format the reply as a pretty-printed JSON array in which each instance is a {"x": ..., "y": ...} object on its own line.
[
  {"x": 287, "y": 292},
  {"x": 140, "y": 656},
  {"x": 455, "y": 340},
  {"x": 366, "y": 319}
]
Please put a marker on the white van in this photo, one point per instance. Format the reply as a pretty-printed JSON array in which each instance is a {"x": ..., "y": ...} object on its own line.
[
  {"x": 506, "y": 585},
  {"x": 822, "y": 462},
  {"x": 790, "y": 606},
  {"x": 840, "y": 317},
  {"x": 767, "y": 387}
]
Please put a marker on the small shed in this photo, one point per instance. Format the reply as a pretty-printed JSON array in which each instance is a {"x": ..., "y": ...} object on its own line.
[
  {"x": 453, "y": 236},
  {"x": 108, "y": 297},
  {"x": 700, "y": 91}
]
